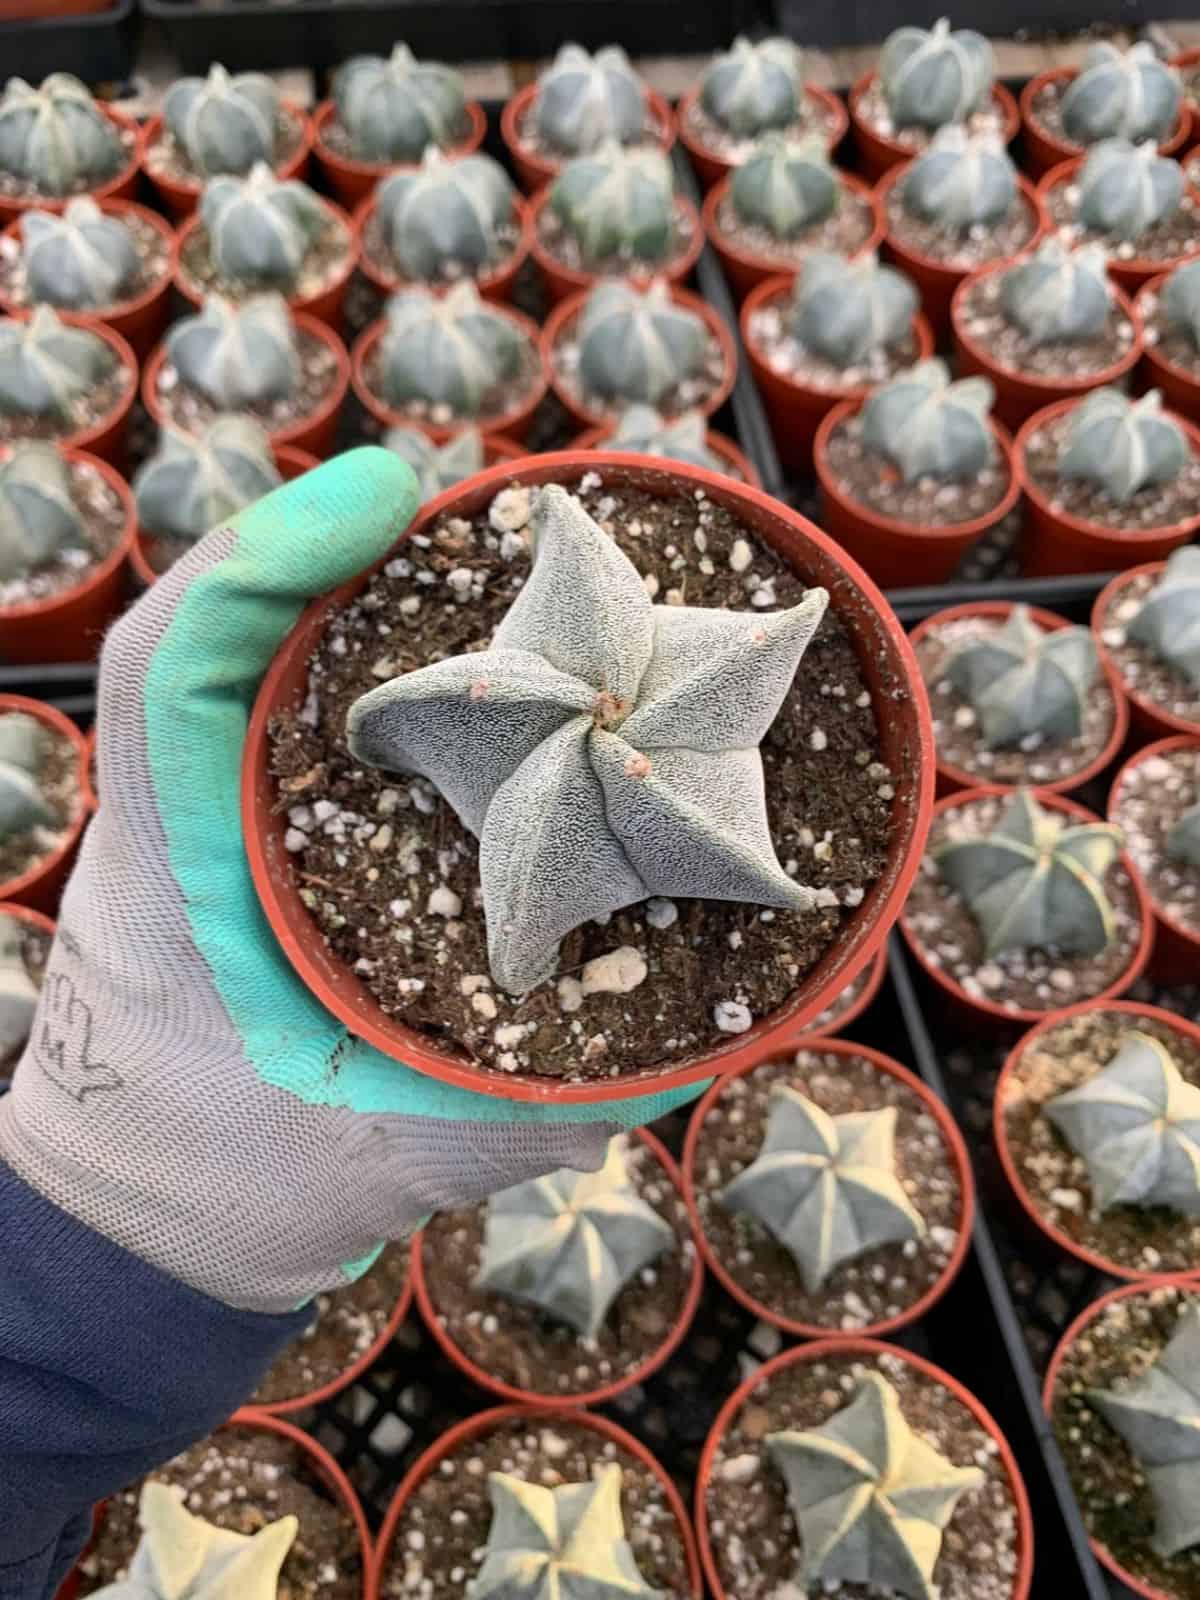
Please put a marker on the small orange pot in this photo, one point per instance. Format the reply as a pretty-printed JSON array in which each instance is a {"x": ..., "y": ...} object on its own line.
[
  {"x": 1148, "y": 721},
  {"x": 121, "y": 186},
  {"x": 40, "y": 887},
  {"x": 534, "y": 169},
  {"x": 494, "y": 284},
  {"x": 1131, "y": 275},
  {"x": 878, "y": 153},
  {"x": 711, "y": 167},
  {"x": 740, "y": 464},
  {"x": 1180, "y": 389},
  {"x": 352, "y": 181},
  {"x": 1176, "y": 956},
  {"x": 180, "y": 196},
  {"x": 849, "y": 1015},
  {"x": 1045, "y": 150},
  {"x": 562, "y": 281}
]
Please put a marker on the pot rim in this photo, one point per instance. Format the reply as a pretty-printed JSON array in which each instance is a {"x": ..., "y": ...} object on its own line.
[
  {"x": 719, "y": 443},
  {"x": 31, "y": 879}
]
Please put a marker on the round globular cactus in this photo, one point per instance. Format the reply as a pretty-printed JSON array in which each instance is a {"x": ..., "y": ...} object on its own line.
[
  {"x": 223, "y": 123},
  {"x": 56, "y": 139},
  {"x": 961, "y": 181},
  {"x": 928, "y": 427},
  {"x": 46, "y": 366},
  {"x": 237, "y": 356},
  {"x": 786, "y": 186},
  {"x": 260, "y": 228},
  {"x": 755, "y": 87},
  {"x": 932, "y": 77},
  {"x": 193, "y": 482},
  {"x": 437, "y": 467},
  {"x": 1025, "y": 682},
  {"x": 1059, "y": 294},
  {"x": 1126, "y": 189},
  {"x": 1122, "y": 445},
  {"x": 1122, "y": 94},
  {"x": 446, "y": 214},
  {"x": 81, "y": 259},
  {"x": 643, "y": 431},
  {"x": 1181, "y": 301},
  {"x": 1168, "y": 621},
  {"x": 451, "y": 350},
  {"x": 39, "y": 518},
  {"x": 638, "y": 344},
  {"x": 845, "y": 311},
  {"x": 395, "y": 108},
  {"x": 617, "y": 202},
  {"x": 24, "y": 744},
  {"x": 584, "y": 100}
]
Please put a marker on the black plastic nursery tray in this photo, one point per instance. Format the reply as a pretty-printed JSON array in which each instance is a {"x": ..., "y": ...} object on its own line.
[{"x": 97, "y": 48}]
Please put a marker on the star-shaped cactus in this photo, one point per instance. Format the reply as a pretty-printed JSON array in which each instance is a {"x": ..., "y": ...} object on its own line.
[
  {"x": 1158, "y": 1416},
  {"x": 603, "y": 749},
  {"x": 825, "y": 1187},
  {"x": 1026, "y": 682},
  {"x": 570, "y": 1242},
  {"x": 22, "y": 751},
  {"x": 182, "y": 1557},
  {"x": 18, "y": 993},
  {"x": 870, "y": 1497},
  {"x": 566, "y": 1543},
  {"x": 1035, "y": 881},
  {"x": 1137, "y": 1126}
]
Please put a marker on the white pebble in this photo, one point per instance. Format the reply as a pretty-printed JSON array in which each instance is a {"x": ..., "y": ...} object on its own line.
[
  {"x": 740, "y": 556},
  {"x": 732, "y": 1017},
  {"x": 443, "y": 902},
  {"x": 570, "y": 994},
  {"x": 661, "y": 913},
  {"x": 615, "y": 973},
  {"x": 509, "y": 511}
]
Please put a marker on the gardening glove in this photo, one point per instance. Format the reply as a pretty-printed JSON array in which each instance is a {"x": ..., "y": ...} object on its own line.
[{"x": 182, "y": 1092}]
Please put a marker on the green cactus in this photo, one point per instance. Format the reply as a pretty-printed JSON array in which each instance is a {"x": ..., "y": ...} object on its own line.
[
  {"x": 452, "y": 350},
  {"x": 194, "y": 482},
  {"x": 80, "y": 260},
  {"x": 237, "y": 355},
  {"x": 1059, "y": 294},
  {"x": 394, "y": 109},
  {"x": 928, "y": 427},
  {"x": 222, "y": 123},
  {"x": 582, "y": 101},
  {"x": 637, "y": 344},
  {"x": 1122, "y": 445},
  {"x": 1036, "y": 881},
  {"x": 1183, "y": 841},
  {"x": 260, "y": 228},
  {"x": 786, "y": 186},
  {"x": 617, "y": 202},
  {"x": 1180, "y": 301},
  {"x": 932, "y": 77},
  {"x": 755, "y": 87},
  {"x": 1122, "y": 94},
  {"x": 1127, "y": 189},
  {"x": 47, "y": 367},
  {"x": 446, "y": 214},
  {"x": 438, "y": 467},
  {"x": 643, "y": 431},
  {"x": 39, "y": 518},
  {"x": 18, "y": 992},
  {"x": 1168, "y": 622},
  {"x": 962, "y": 181},
  {"x": 1025, "y": 682},
  {"x": 24, "y": 745},
  {"x": 845, "y": 311},
  {"x": 56, "y": 139}
]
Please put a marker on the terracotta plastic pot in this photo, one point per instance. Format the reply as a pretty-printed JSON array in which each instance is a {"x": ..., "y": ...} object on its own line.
[
  {"x": 591, "y": 1397},
  {"x": 352, "y": 181},
  {"x": 564, "y": 315},
  {"x": 121, "y": 186},
  {"x": 959, "y": 1160},
  {"x": 711, "y": 168},
  {"x": 1057, "y": 542},
  {"x": 314, "y": 434},
  {"x": 742, "y": 466},
  {"x": 1133, "y": 274},
  {"x": 534, "y": 169},
  {"x": 1020, "y": 394},
  {"x": 1180, "y": 388},
  {"x": 952, "y": 778},
  {"x": 899, "y": 554},
  {"x": 92, "y": 790},
  {"x": 562, "y": 281},
  {"x": 885, "y": 658},
  {"x": 849, "y": 1350},
  {"x": 483, "y": 1423},
  {"x": 1176, "y": 957},
  {"x": 1044, "y": 150},
  {"x": 794, "y": 409},
  {"x": 1147, "y": 720},
  {"x": 849, "y": 1015},
  {"x": 40, "y": 887},
  {"x": 878, "y": 153},
  {"x": 745, "y": 269},
  {"x": 980, "y": 1011},
  {"x": 180, "y": 196},
  {"x": 495, "y": 284},
  {"x": 106, "y": 436}
]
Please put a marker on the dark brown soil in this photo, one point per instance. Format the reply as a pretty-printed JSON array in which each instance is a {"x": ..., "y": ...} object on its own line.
[
  {"x": 376, "y": 251},
  {"x": 59, "y": 780},
  {"x": 13, "y": 188},
  {"x": 241, "y": 1481},
  {"x": 530, "y": 137},
  {"x": 338, "y": 140},
  {"x": 165, "y": 158},
  {"x": 1027, "y": 980},
  {"x": 846, "y": 232},
  {"x": 153, "y": 264},
  {"x": 441, "y": 1538},
  {"x": 500, "y": 401},
  {"x": 323, "y": 265},
  {"x": 1159, "y": 505},
  {"x": 104, "y": 522},
  {"x": 1141, "y": 670},
  {"x": 982, "y": 319},
  {"x": 1047, "y": 110},
  {"x": 928, "y": 503},
  {"x": 1153, "y": 796},
  {"x": 815, "y": 117},
  {"x": 984, "y": 243},
  {"x": 1171, "y": 240},
  {"x": 89, "y": 409},
  {"x": 830, "y": 1017},
  {"x": 874, "y": 111},
  {"x": 1172, "y": 344},
  {"x": 828, "y": 795},
  {"x": 35, "y": 952},
  {"x": 564, "y": 247},
  {"x": 876, "y": 1286},
  {"x": 319, "y": 378},
  {"x": 774, "y": 343},
  {"x": 1118, "y": 1347},
  {"x": 754, "y": 1536},
  {"x": 694, "y": 391}
]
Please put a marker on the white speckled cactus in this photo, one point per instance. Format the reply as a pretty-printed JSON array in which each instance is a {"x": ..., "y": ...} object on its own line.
[
  {"x": 584, "y": 100},
  {"x": 785, "y": 186},
  {"x": 437, "y": 467},
  {"x": 260, "y": 228},
  {"x": 643, "y": 431},
  {"x": 38, "y": 515},
  {"x": 445, "y": 214},
  {"x": 603, "y": 749},
  {"x": 47, "y": 366},
  {"x": 194, "y": 482},
  {"x": 395, "y": 108},
  {"x": 931, "y": 77},
  {"x": 755, "y": 87},
  {"x": 1027, "y": 683},
  {"x": 237, "y": 355},
  {"x": 79, "y": 260},
  {"x": 617, "y": 202},
  {"x": 18, "y": 992},
  {"x": 1168, "y": 621},
  {"x": 1122, "y": 94},
  {"x": 1036, "y": 881},
  {"x": 1126, "y": 189},
  {"x": 451, "y": 350},
  {"x": 845, "y": 311},
  {"x": 24, "y": 743},
  {"x": 56, "y": 138},
  {"x": 1181, "y": 301},
  {"x": 1122, "y": 445},
  {"x": 637, "y": 344},
  {"x": 1059, "y": 294},
  {"x": 960, "y": 182},
  {"x": 223, "y": 123},
  {"x": 929, "y": 427},
  {"x": 1183, "y": 841},
  {"x": 871, "y": 1497}
]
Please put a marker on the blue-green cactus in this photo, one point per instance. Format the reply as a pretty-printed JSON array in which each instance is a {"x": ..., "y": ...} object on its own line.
[
  {"x": 1181, "y": 301},
  {"x": 260, "y": 228},
  {"x": 755, "y": 87},
  {"x": 80, "y": 260},
  {"x": 395, "y": 108},
  {"x": 223, "y": 123},
  {"x": 929, "y": 427},
  {"x": 39, "y": 518},
  {"x": 1183, "y": 841},
  {"x": 1168, "y": 621},
  {"x": 194, "y": 482},
  {"x": 583, "y": 100},
  {"x": 643, "y": 431},
  {"x": 1123, "y": 445},
  {"x": 47, "y": 366},
  {"x": 617, "y": 202},
  {"x": 56, "y": 139},
  {"x": 24, "y": 746},
  {"x": 1059, "y": 294},
  {"x": 1025, "y": 682},
  {"x": 451, "y": 350},
  {"x": 786, "y": 186},
  {"x": 960, "y": 182},
  {"x": 446, "y": 214},
  {"x": 638, "y": 344},
  {"x": 438, "y": 467},
  {"x": 845, "y": 311},
  {"x": 1127, "y": 189},
  {"x": 1122, "y": 94},
  {"x": 931, "y": 77},
  {"x": 237, "y": 356}
]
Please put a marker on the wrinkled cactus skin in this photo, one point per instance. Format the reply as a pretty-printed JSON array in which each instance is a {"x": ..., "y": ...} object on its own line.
[
  {"x": 237, "y": 356},
  {"x": 638, "y": 344},
  {"x": 583, "y": 100},
  {"x": 934, "y": 77},
  {"x": 445, "y": 213},
  {"x": 1168, "y": 621},
  {"x": 1059, "y": 295},
  {"x": 450, "y": 350},
  {"x": 1181, "y": 301},
  {"x": 56, "y": 138},
  {"x": 643, "y": 431},
  {"x": 261, "y": 228},
  {"x": 39, "y": 518},
  {"x": 47, "y": 366},
  {"x": 222, "y": 123},
  {"x": 1123, "y": 445},
  {"x": 929, "y": 427},
  {"x": 617, "y": 202},
  {"x": 845, "y": 311},
  {"x": 1126, "y": 189},
  {"x": 395, "y": 109},
  {"x": 960, "y": 182},
  {"x": 786, "y": 186},
  {"x": 80, "y": 260},
  {"x": 437, "y": 467},
  {"x": 24, "y": 744},
  {"x": 194, "y": 482},
  {"x": 755, "y": 87},
  {"x": 1122, "y": 94}
]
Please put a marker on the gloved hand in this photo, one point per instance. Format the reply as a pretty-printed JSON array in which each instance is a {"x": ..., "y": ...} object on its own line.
[{"x": 182, "y": 1092}]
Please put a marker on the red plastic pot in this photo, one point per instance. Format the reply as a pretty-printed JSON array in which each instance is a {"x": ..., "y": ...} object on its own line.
[
  {"x": 121, "y": 186},
  {"x": 564, "y": 315},
  {"x": 352, "y": 181},
  {"x": 711, "y": 168},
  {"x": 1180, "y": 388},
  {"x": 494, "y": 284},
  {"x": 959, "y": 1160},
  {"x": 106, "y": 436},
  {"x": 568, "y": 1402},
  {"x": 795, "y": 410},
  {"x": 740, "y": 464},
  {"x": 1176, "y": 956},
  {"x": 314, "y": 434},
  {"x": 849, "y": 1014},
  {"x": 887, "y": 663},
  {"x": 899, "y": 554},
  {"x": 1055, "y": 541},
  {"x": 1044, "y": 150},
  {"x": 181, "y": 196},
  {"x": 40, "y": 887},
  {"x": 478, "y": 1426},
  {"x": 878, "y": 153},
  {"x": 848, "y": 1350},
  {"x": 534, "y": 169},
  {"x": 952, "y": 778},
  {"x": 1133, "y": 274},
  {"x": 562, "y": 281},
  {"x": 980, "y": 1011},
  {"x": 1147, "y": 720}
]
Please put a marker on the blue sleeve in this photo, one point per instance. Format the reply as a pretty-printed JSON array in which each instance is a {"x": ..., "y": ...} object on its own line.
[{"x": 107, "y": 1367}]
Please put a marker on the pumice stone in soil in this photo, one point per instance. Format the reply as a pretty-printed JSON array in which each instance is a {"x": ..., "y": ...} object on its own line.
[
  {"x": 39, "y": 792},
  {"x": 1152, "y": 628}
]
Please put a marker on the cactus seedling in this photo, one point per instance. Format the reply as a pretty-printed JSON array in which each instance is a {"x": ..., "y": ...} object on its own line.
[
  {"x": 192, "y": 483},
  {"x": 638, "y": 344},
  {"x": 237, "y": 356},
  {"x": 79, "y": 260},
  {"x": 394, "y": 109},
  {"x": 844, "y": 311},
  {"x": 617, "y": 202},
  {"x": 786, "y": 186},
  {"x": 928, "y": 427},
  {"x": 960, "y": 182},
  {"x": 18, "y": 992},
  {"x": 23, "y": 746},
  {"x": 755, "y": 87},
  {"x": 646, "y": 432},
  {"x": 223, "y": 123},
  {"x": 1127, "y": 189},
  {"x": 261, "y": 228},
  {"x": 1123, "y": 445},
  {"x": 1168, "y": 623},
  {"x": 1036, "y": 881},
  {"x": 1181, "y": 301},
  {"x": 931, "y": 77},
  {"x": 38, "y": 515},
  {"x": 603, "y": 749},
  {"x": 1183, "y": 841},
  {"x": 454, "y": 350},
  {"x": 1059, "y": 294},
  {"x": 437, "y": 467},
  {"x": 583, "y": 100},
  {"x": 1122, "y": 94},
  {"x": 56, "y": 138},
  {"x": 47, "y": 367},
  {"x": 446, "y": 215},
  {"x": 1025, "y": 682}
]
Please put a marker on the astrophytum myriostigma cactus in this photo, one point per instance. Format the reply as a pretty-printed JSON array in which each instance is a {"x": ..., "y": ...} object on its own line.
[
  {"x": 785, "y": 186},
  {"x": 871, "y": 1497},
  {"x": 1126, "y": 189},
  {"x": 1036, "y": 881},
  {"x": 18, "y": 992},
  {"x": 825, "y": 1187},
  {"x": 24, "y": 743},
  {"x": 637, "y": 344},
  {"x": 1122, "y": 94},
  {"x": 237, "y": 356},
  {"x": 1026, "y": 683},
  {"x": 56, "y": 138},
  {"x": 570, "y": 1242},
  {"x": 452, "y": 349},
  {"x": 1168, "y": 621},
  {"x": 931, "y": 77},
  {"x": 617, "y": 202},
  {"x": 182, "y": 1557},
  {"x": 603, "y": 749},
  {"x": 193, "y": 482},
  {"x": 1181, "y": 301},
  {"x": 755, "y": 87},
  {"x": 583, "y": 100},
  {"x": 223, "y": 123},
  {"x": 1183, "y": 841},
  {"x": 928, "y": 427},
  {"x": 396, "y": 108},
  {"x": 445, "y": 214},
  {"x": 260, "y": 228},
  {"x": 79, "y": 260},
  {"x": 565, "y": 1543},
  {"x": 961, "y": 181},
  {"x": 845, "y": 311},
  {"x": 1059, "y": 294},
  {"x": 643, "y": 431},
  {"x": 39, "y": 518},
  {"x": 437, "y": 467},
  {"x": 1122, "y": 445},
  {"x": 46, "y": 366}
]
